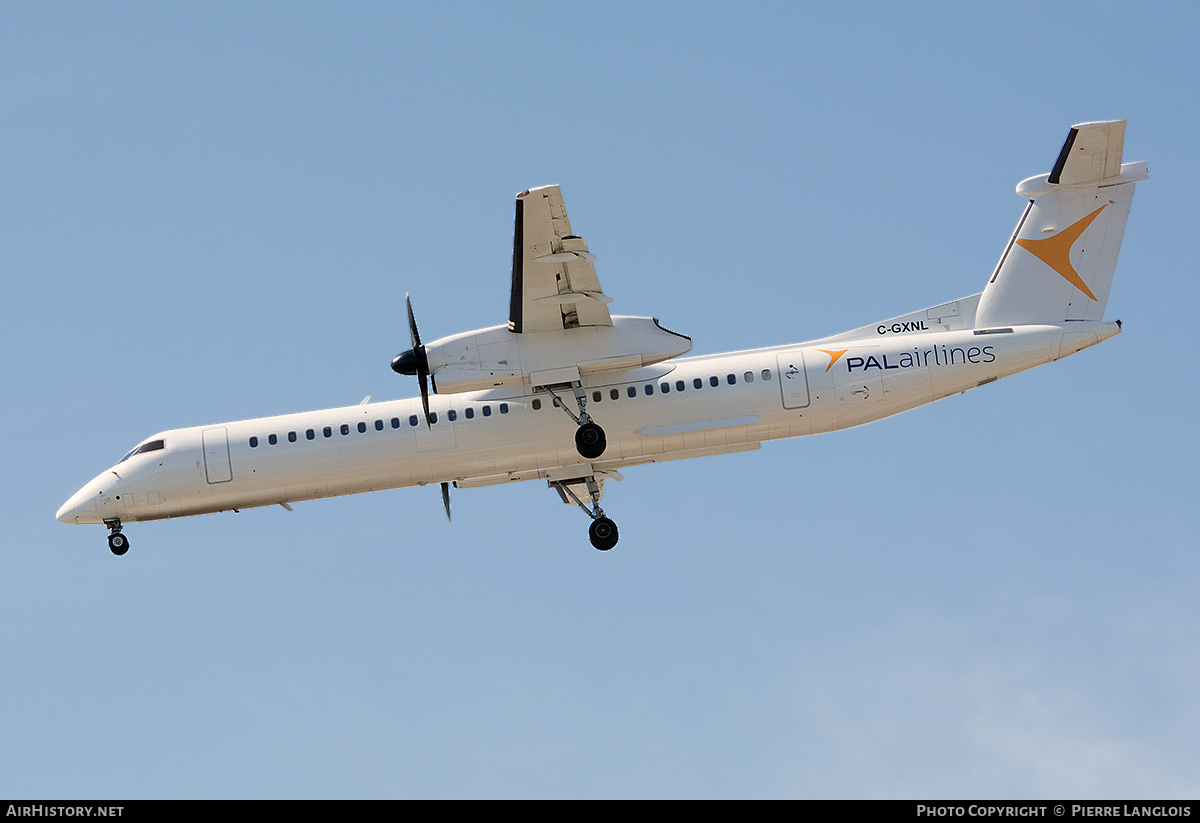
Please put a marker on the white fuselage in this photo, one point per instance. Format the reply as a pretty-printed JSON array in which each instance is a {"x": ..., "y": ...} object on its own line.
[{"x": 680, "y": 408}]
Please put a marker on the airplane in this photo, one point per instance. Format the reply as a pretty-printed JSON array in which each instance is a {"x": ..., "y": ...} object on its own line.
[{"x": 568, "y": 393}]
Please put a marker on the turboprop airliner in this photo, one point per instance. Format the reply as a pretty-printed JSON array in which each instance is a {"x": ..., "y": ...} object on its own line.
[{"x": 568, "y": 393}]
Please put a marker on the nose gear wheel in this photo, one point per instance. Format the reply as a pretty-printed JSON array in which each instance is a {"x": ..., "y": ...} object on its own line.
[{"x": 118, "y": 543}]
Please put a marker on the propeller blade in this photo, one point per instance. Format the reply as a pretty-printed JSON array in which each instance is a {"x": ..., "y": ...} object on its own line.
[
  {"x": 413, "y": 334},
  {"x": 424, "y": 378},
  {"x": 446, "y": 499},
  {"x": 414, "y": 361}
]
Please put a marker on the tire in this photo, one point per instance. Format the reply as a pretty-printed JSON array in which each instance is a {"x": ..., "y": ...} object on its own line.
[
  {"x": 603, "y": 533},
  {"x": 118, "y": 543},
  {"x": 590, "y": 441}
]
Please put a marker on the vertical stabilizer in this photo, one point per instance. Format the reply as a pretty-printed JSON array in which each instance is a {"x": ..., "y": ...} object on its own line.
[{"x": 1059, "y": 263}]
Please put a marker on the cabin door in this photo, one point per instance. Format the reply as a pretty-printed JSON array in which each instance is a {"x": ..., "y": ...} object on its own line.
[{"x": 793, "y": 382}]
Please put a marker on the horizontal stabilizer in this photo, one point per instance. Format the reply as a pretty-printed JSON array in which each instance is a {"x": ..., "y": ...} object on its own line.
[{"x": 1092, "y": 153}]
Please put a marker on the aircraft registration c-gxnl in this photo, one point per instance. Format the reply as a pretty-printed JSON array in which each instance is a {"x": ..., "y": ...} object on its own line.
[{"x": 568, "y": 393}]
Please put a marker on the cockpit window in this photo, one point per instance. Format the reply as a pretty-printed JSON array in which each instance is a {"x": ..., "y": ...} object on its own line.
[{"x": 152, "y": 446}]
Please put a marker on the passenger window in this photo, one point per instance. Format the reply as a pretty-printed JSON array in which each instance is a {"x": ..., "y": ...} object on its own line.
[
  {"x": 345, "y": 428},
  {"x": 452, "y": 415},
  {"x": 649, "y": 389},
  {"x": 395, "y": 422},
  {"x": 698, "y": 383},
  {"x": 272, "y": 439},
  {"x": 412, "y": 420},
  {"x": 731, "y": 379},
  {"x": 596, "y": 396},
  {"x": 679, "y": 385},
  {"x": 614, "y": 394},
  {"x": 748, "y": 377},
  {"x": 487, "y": 411},
  {"x": 470, "y": 411},
  {"x": 766, "y": 374},
  {"x": 433, "y": 417},
  {"x": 504, "y": 408},
  {"x": 310, "y": 434},
  {"x": 714, "y": 381},
  {"x": 291, "y": 437},
  {"x": 631, "y": 391},
  {"x": 327, "y": 431},
  {"x": 537, "y": 404},
  {"x": 362, "y": 427},
  {"x": 378, "y": 425},
  {"x": 254, "y": 442},
  {"x": 665, "y": 388}
]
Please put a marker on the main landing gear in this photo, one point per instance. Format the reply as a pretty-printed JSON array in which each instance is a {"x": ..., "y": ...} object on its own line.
[
  {"x": 589, "y": 437},
  {"x": 118, "y": 543},
  {"x": 603, "y": 531}
]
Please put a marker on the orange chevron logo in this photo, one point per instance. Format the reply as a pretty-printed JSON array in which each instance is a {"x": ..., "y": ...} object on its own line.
[
  {"x": 834, "y": 356},
  {"x": 1055, "y": 251}
]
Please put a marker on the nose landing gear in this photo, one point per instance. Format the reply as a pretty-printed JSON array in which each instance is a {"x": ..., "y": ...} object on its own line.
[{"x": 118, "y": 543}]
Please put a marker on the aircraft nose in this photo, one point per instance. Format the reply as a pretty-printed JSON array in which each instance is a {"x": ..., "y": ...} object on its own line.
[
  {"x": 66, "y": 512},
  {"x": 77, "y": 507}
]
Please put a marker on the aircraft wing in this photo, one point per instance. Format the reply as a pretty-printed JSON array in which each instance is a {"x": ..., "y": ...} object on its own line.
[{"x": 554, "y": 284}]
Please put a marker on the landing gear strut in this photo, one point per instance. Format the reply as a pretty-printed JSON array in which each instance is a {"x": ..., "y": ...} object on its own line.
[
  {"x": 118, "y": 543},
  {"x": 590, "y": 441},
  {"x": 602, "y": 532}
]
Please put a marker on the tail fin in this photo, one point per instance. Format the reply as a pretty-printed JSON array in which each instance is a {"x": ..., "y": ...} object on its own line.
[{"x": 1059, "y": 263}]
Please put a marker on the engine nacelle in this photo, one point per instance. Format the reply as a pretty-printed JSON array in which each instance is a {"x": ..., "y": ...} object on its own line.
[{"x": 495, "y": 357}]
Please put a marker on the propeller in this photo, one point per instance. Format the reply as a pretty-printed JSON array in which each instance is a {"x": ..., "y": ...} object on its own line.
[{"x": 414, "y": 362}]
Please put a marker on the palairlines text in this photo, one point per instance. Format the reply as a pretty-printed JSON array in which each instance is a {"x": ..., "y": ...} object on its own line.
[{"x": 938, "y": 356}]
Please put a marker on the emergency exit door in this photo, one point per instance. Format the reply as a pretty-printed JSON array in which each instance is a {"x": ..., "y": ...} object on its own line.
[{"x": 216, "y": 456}]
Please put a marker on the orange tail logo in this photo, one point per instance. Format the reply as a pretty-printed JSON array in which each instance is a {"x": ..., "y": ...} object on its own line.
[{"x": 1055, "y": 251}]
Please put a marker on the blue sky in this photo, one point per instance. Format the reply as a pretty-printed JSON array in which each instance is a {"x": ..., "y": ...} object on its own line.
[{"x": 214, "y": 212}]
